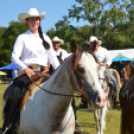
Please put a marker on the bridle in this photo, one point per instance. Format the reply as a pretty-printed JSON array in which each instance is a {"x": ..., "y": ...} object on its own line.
[{"x": 77, "y": 78}]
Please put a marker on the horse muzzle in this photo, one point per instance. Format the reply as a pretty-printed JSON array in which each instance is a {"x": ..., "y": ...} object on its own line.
[{"x": 100, "y": 101}]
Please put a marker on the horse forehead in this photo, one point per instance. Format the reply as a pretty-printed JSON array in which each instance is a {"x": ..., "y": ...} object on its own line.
[{"x": 87, "y": 59}]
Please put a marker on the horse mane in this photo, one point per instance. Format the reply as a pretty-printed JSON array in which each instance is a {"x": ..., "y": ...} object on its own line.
[{"x": 132, "y": 67}]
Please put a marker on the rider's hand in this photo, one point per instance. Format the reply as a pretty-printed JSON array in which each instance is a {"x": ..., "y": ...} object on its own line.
[{"x": 29, "y": 72}]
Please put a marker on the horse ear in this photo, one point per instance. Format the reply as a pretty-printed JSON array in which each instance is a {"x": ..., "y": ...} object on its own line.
[
  {"x": 60, "y": 54},
  {"x": 73, "y": 46}
]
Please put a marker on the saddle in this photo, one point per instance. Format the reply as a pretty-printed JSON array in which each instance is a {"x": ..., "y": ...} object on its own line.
[
  {"x": 110, "y": 84},
  {"x": 27, "y": 91},
  {"x": 38, "y": 79}
]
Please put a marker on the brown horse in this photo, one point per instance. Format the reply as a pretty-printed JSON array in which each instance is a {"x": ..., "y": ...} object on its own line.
[
  {"x": 127, "y": 71},
  {"x": 126, "y": 97}
]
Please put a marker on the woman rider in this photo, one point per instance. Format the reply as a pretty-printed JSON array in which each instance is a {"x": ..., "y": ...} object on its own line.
[{"x": 32, "y": 51}]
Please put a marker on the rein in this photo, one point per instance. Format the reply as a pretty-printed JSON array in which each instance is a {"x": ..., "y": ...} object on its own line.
[{"x": 53, "y": 93}]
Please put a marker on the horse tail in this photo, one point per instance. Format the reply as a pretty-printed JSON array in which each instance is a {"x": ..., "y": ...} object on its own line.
[{"x": 116, "y": 74}]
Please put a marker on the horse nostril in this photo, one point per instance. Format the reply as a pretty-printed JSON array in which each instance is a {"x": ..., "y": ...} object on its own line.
[{"x": 98, "y": 99}]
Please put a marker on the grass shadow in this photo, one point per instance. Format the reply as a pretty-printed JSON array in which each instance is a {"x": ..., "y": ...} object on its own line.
[
  {"x": 87, "y": 124},
  {"x": 117, "y": 107}
]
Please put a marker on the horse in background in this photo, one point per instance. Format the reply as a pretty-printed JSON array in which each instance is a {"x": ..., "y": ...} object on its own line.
[
  {"x": 127, "y": 71},
  {"x": 126, "y": 97},
  {"x": 100, "y": 114}
]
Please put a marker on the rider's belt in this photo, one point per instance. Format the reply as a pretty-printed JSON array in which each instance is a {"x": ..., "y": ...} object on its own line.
[{"x": 36, "y": 68}]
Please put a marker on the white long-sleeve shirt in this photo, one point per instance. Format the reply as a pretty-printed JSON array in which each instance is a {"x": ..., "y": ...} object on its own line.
[
  {"x": 103, "y": 53},
  {"x": 64, "y": 53},
  {"x": 28, "y": 49}
]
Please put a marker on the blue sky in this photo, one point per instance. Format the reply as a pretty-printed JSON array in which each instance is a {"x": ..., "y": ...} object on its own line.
[{"x": 55, "y": 9}]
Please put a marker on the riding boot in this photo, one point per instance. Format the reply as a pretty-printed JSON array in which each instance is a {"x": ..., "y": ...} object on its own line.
[{"x": 8, "y": 111}]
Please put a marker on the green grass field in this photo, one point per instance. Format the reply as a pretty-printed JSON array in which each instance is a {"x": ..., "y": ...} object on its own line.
[{"x": 85, "y": 118}]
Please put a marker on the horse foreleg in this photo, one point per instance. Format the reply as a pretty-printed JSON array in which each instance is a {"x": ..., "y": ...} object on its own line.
[
  {"x": 88, "y": 107},
  {"x": 97, "y": 119},
  {"x": 103, "y": 118}
]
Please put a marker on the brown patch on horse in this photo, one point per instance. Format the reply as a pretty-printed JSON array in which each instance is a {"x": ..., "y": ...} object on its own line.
[
  {"x": 29, "y": 92},
  {"x": 60, "y": 116}
]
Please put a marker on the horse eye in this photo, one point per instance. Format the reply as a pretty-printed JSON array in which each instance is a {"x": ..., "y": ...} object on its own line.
[{"x": 81, "y": 69}]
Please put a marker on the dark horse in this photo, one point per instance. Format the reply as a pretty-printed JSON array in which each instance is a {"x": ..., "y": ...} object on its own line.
[{"x": 126, "y": 97}]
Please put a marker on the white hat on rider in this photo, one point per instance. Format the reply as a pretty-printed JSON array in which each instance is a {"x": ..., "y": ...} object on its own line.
[
  {"x": 56, "y": 39},
  {"x": 31, "y": 13},
  {"x": 93, "y": 38}
]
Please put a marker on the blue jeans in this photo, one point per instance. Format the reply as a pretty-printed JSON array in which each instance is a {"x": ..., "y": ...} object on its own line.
[
  {"x": 113, "y": 80},
  {"x": 36, "y": 72}
]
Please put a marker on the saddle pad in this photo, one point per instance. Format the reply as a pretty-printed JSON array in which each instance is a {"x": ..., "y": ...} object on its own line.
[
  {"x": 31, "y": 88},
  {"x": 29, "y": 92}
]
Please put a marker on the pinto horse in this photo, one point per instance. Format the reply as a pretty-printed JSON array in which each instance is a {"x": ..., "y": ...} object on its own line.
[
  {"x": 50, "y": 111},
  {"x": 126, "y": 97}
]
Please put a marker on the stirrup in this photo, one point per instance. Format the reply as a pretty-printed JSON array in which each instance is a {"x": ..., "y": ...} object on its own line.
[
  {"x": 76, "y": 123},
  {"x": 5, "y": 130}
]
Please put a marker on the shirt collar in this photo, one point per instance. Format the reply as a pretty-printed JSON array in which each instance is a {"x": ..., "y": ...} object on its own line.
[{"x": 33, "y": 35}]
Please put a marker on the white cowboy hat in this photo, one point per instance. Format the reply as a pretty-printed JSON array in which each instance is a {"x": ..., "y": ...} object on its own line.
[
  {"x": 93, "y": 38},
  {"x": 31, "y": 13},
  {"x": 56, "y": 39}
]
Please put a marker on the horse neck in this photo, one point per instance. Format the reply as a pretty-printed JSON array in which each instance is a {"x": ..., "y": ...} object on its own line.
[{"x": 60, "y": 82}]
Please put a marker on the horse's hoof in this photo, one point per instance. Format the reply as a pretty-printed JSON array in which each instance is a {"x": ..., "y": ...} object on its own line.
[
  {"x": 104, "y": 128},
  {"x": 77, "y": 131}
]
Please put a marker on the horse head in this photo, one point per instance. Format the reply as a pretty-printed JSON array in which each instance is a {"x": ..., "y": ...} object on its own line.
[
  {"x": 127, "y": 71},
  {"x": 85, "y": 66}
]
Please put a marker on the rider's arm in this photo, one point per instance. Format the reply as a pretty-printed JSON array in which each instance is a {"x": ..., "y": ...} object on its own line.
[
  {"x": 16, "y": 54},
  {"x": 108, "y": 59},
  {"x": 52, "y": 58}
]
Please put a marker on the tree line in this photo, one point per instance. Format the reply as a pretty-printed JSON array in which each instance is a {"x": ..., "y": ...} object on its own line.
[{"x": 112, "y": 21}]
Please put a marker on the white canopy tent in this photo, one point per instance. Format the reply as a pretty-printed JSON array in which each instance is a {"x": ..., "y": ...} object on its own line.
[{"x": 129, "y": 53}]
